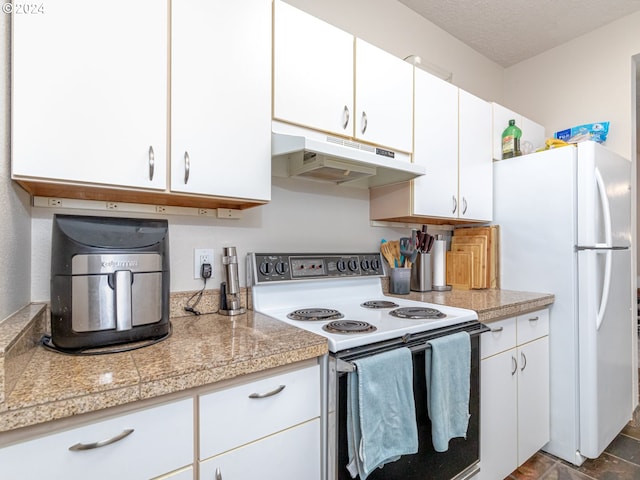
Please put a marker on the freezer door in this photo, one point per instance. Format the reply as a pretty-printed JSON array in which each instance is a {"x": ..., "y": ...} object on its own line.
[
  {"x": 604, "y": 197},
  {"x": 605, "y": 347}
]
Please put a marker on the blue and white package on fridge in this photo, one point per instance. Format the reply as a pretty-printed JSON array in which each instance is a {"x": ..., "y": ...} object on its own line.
[{"x": 590, "y": 131}]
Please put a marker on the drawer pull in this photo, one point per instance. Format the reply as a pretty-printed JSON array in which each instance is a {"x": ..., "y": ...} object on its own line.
[
  {"x": 218, "y": 474},
  {"x": 514, "y": 364},
  {"x": 497, "y": 329},
  {"x": 524, "y": 361},
  {"x": 268, "y": 394},
  {"x": 534, "y": 319},
  {"x": 102, "y": 443}
]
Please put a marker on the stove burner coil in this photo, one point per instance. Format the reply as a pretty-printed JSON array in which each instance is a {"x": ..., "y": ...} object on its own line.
[
  {"x": 311, "y": 314},
  {"x": 417, "y": 313},
  {"x": 348, "y": 326},
  {"x": 379, "y": 304}
]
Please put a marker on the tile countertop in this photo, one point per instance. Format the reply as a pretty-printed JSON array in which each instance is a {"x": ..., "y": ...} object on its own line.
[
  {"x": 38, "y": 386},
  {"x": 491, "y": 305}
]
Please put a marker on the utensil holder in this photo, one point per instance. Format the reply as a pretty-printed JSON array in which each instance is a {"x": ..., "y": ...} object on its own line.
[
  {"x": 421, "y": 273},
  {"x": 399, "y": 280}
]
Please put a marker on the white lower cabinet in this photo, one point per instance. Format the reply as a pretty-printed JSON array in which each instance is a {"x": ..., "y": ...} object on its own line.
[
  {"x": 514, "y": 393},
  {"x": 293, "y": 453},
  {"x": 160, "y": 441},
  {"x": 268, "y": 428}
]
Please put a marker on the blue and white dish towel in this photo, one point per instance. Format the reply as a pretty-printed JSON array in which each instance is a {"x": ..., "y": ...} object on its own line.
[
  {"x": 448, "y": 369},
  {"x": 381, "y": 414}
]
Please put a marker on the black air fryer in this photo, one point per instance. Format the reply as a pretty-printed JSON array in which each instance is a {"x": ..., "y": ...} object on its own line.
[{"x": 109, "y": 281}]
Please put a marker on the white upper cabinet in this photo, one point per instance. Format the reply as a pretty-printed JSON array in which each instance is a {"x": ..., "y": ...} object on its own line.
[
  {"x": 475, "y": 197},
  {"x": 316, "y": 66},
  {"x": 384, "y": 98},
  {"x": 452, "y": 139},
  {"x": 89, "y": 93},
  {"x": 313, "y": 72},
  {"x": 532, "y": 132},
  {"x": 221, "y": 98},
  {"x": 435, "y": 146}
]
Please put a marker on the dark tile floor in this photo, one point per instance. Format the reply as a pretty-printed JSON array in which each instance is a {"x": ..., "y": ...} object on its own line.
[{"x": 620, "y": 461}]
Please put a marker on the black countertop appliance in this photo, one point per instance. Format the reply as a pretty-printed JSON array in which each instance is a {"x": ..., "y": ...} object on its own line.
[{"x": 109, "y": 281}]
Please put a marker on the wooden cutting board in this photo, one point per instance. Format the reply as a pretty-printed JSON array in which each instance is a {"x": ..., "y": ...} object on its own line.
[
  {"x": 460, "y": 270},
  {"x": 476, "y": 244},
  {"x": 478, "y": 262},
  {"x": 492, "y": 234}
]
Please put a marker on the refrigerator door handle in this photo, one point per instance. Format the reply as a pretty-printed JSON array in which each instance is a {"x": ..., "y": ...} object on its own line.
[
  {"x": 606, "y": 286},
  {"x": 606, "y": 209}
]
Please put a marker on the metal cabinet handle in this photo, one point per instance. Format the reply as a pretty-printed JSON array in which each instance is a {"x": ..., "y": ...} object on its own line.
[
  {"x": 152, "y": 163},
  {"x": 464, "y": 205},
  {"x": 218, "y": 474},
  {"x": 524, "y": 361},
  {"x": 345, "y": 117},
  {"x": 187, "y": 166},
  {"x": 455, "y": 204},
  {"x": 102, "y": 443},
  {"x": 268, "y": 394},
  {"x": 364, "y": 122},
  {"x": 497, "y": 329},
  {"x": 514, "y": 364},
  {"x": 534, "y": 319}
]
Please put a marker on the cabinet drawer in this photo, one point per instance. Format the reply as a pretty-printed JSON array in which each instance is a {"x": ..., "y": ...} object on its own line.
[
  {"x": 232, "y": 417},
  {"x": 292, "y": 454},
  {"x": 162, "y": 441},
  {"x": 533, "y": 325},
  {"x": 501, "y": 337}
]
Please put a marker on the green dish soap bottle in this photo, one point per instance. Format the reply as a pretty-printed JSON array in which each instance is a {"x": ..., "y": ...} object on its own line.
[{"x": 511, "y": 141}]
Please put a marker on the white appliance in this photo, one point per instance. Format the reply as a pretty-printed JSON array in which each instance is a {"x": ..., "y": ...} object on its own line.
[
  {"x": 565, "y": 217},
  {"x": 340, "y": 297}
]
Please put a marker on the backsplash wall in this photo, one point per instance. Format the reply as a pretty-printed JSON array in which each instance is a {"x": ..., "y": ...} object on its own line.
[{"x": 303, "y": 216}]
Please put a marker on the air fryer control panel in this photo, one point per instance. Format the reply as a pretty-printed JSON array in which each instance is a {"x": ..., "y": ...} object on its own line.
[{"x": 278, "y": 267}]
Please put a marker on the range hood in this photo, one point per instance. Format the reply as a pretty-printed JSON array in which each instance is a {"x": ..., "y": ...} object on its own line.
[{"x": 316, "y": 156}]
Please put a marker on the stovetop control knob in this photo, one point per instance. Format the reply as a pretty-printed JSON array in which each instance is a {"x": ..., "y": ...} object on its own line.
[
  {"x": 365, "y": 264},
  {"x": 282, "y": 268},
  {"x": 265, "y": 268},
  {"x": 375, "y": 264},
  {"x": 353, "y": 265},
  {"x": 341, "y": 265}
]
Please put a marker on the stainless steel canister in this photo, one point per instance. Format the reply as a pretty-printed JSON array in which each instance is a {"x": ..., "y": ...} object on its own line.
[{"x": 421, "y": 273}]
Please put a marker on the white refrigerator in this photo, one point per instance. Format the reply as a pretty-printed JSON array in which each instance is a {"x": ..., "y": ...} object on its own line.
[{"x": 565, "y": 228}]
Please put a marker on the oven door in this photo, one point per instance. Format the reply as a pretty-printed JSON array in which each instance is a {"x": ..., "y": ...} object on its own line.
[{"x": 460, "y": 461}]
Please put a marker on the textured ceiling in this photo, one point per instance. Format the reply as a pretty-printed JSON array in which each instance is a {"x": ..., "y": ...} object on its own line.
[{"x": 510, "y": 31}]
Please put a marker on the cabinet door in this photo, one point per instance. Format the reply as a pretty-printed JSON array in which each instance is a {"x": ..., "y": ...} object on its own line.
[
  {"x": 533, "y": 397},
  {"x": 384, "y": 98},
  {"x": 221, "y": 98},
  {"x": 498, "y": 416},
  {"x": 313, "y": 72},
  {"x": 476, "y": 169},
  {"x": 89, "y": 93},
  {"x": 294, "y": 453},
  {"x": 161, "y": 442},
  {"x": 435, "y": 146}
]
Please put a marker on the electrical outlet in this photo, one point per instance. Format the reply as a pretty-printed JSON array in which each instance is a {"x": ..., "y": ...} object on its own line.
[{"x": 200, "y": 256}]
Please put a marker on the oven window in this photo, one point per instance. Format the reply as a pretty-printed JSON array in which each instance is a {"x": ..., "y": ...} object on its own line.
[{"x": 427, "y": 463}]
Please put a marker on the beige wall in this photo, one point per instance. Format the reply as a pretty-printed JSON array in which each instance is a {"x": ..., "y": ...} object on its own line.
[{"x": 586, "y": 80}]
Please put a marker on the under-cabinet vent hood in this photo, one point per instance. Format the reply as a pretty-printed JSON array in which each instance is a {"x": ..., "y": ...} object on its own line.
[{"x": 315, "y": 156}]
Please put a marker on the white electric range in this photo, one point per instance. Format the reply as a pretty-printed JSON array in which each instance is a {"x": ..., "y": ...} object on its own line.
[{"x": 340, "y": 297}]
